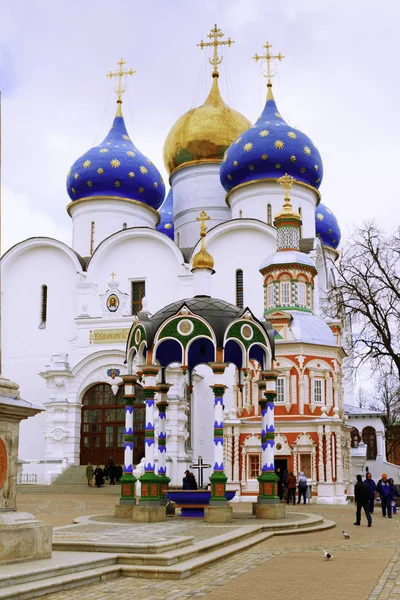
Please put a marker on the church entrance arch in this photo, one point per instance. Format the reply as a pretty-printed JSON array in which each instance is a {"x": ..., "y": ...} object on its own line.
[{"x": 103, "y": 424}]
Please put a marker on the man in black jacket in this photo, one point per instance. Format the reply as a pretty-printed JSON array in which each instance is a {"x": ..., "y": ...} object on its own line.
[{"x": 361, "y": 498}]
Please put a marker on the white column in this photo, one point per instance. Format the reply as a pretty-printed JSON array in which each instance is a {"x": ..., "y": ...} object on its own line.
[
  {"x": 328, "y": 454},
  {"x": 321, "y": 476}
]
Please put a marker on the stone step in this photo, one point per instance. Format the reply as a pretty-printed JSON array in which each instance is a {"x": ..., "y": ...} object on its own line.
[
  {"x": 113, "y": 490},
  {"x": 36, "y": 576}
]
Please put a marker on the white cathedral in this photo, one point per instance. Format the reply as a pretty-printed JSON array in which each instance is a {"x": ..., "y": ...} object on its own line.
[{"x": 67, "y": 312}]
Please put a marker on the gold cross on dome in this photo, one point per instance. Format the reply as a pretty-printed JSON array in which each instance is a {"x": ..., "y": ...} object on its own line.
[
  {"x": 113, "y": 275},
  {"x": 214, "y": 36},
  {"x": 120, "y": 89},
  {"x": 286, "y": 182},
  {"x": 203, "y": 218},
  {"x": 268, "y": 57}
]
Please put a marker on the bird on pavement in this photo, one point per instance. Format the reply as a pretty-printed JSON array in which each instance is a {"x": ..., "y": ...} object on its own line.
[
  {"x": 346, "y": 535},
  {"x": 327, "y": 555}
]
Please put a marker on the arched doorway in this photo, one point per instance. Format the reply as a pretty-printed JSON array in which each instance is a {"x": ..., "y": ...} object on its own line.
[
  {"x": 103, "y": 424},
  {"x": 369, "y": 439}
]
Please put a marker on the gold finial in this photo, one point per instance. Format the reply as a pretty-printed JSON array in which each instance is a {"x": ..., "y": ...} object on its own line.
[
  {"x": 203, "y": 260},
  {"x": 286, "y": 182},
  {"x": 120, "y": 89},
  {"x": 268, "y": 57},
  {"x": 216, "y": 60},
  {"x": 113, "y": 275}
]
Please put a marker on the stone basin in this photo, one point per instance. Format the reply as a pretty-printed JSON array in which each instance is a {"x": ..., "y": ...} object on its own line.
[{"x": 192, "y": 502}]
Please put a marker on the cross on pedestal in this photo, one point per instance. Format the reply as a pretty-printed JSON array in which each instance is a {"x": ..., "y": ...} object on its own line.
[{"x": 200, "y": 466}]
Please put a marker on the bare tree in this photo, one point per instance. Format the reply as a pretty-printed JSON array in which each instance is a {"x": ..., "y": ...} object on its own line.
[
  {"x": 387, "y": 401},
  {"x": 367, "y": 292}
]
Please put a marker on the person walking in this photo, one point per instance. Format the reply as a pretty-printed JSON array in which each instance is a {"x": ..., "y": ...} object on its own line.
[
  {"x": 112, "y": 471},
  {"x": 394, "y": 493},
  {"x": 302, "y": 483},
  {"x": 383, "y": 490},
  {"x": 362, "y": 500},
  {"x": 98, "y": 476},
  {"x": 372, "y": 489},
  {"x": 89, "y": 474},
  {"x": 291, "y": 488}
]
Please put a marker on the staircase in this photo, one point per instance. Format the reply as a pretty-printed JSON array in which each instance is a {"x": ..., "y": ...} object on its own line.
[{"x": 72, "y": 480}]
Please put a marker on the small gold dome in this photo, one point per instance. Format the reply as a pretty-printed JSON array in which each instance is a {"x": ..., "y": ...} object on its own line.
[
  {"x": 203, "y": 259},
  {"x": 203, "y": 133}
]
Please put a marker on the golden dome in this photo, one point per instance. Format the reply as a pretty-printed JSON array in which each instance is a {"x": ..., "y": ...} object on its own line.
[
  {"x": 203, "y": 259},
  {"x": 203, "y": 133}
]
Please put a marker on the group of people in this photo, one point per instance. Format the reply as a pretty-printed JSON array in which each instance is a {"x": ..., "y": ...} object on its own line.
[
  {"x": 111, "y": 472},
  {"x": 366, "y": 491},
  {"x": 189, "y": 481},
  {"x": 288, "y": 483}
]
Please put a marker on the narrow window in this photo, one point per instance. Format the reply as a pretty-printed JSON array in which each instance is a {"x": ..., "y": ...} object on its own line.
[
  {"x": 318, "y": 391},
  {"x": 280, "y": 389},
  {"x": 269, "y": 214},
  {"x": 43, "y": 307},
  {"x": 271, "y": 295},
  {"x": 124, "y": 225},
  {"x": 138, "y": 293},
  {"x": 178, "y": 239},
  {"x": 301, "y": 217},
  {"x": 301, "y": 294},
  {"x": 285, "y": 293},
  {"x": 240, "y": 214},
  {"x": 254, "y": 466},
  {"x": 92, "y": 228},
  {"x": 239, "y": 288}
]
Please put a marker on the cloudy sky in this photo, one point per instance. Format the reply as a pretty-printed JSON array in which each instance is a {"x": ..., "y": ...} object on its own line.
[{"x": 339, "y": 83}]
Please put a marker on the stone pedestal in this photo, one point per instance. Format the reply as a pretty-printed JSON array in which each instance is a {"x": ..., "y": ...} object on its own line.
[
  {"x": 22, "y": 537},
  {"x": 218, "y": 514},
  {"x": 148, "y": 513},
  {"x": 270, "y": 510},
  {"x": 123, "y": 511}
]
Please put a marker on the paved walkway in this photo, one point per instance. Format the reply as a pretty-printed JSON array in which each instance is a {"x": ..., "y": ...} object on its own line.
[{"x": 365, "y": 567}]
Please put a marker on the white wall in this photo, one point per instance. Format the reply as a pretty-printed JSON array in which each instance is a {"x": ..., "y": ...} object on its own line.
[
  {"x": 251, "y": 201},
  {"x": 196, "y": 188},
  {"x": 108, "y": 217},
  {"x": 25, "y": 347}
]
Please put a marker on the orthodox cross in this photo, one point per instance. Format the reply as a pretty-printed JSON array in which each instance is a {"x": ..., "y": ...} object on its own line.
[
  {"x": 203, "y": 218},
  {"x": 214, "y": 36},
  {"x": 268, "y": 57},
  {"x": 286, "y": 182},
  {"x": 200, "y": 466},
  {"x": 120, "y": 74},
  {"x": 113, "y": 275}
]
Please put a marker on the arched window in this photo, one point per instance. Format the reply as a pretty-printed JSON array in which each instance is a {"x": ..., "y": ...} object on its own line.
[
  {"x": 369, "y": 439},
  {"x": 240, "y": 214},
  {"x": 355, "y": 438},
  {"x": 43, "y": 307},
  {"x": 124, "y": 225},
  {"x": 239, "y": 288},
  {"x": 269, "y": 214}
]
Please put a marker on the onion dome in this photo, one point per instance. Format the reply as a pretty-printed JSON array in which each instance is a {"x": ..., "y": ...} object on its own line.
[
  {"x": 327, "y": 227},
  {"x": 204, "y": 133},
  {"x": 269, "y": 149},
  {"x": 202, "y": 259},
  {"x": 166, "y": 224},
  {"x": 116, "y": 169}
]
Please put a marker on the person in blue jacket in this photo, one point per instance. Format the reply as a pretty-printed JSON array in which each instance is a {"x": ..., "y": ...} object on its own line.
[
  {"x": 370, "y": 483},
  {"x": 384, "y": 492},
  {"x": 394, "y": 493}
]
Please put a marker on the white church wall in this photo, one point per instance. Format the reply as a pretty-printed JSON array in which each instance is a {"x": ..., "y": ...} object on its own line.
[
  {"x": 140, "y": 254},
  {"x": 251, "y": 201},
  {"x": 26, "y": 343},
  {"x": 240, "y": 244},
  {"x": 197, "y": 188},
  {"x": 93, "y": 221}
]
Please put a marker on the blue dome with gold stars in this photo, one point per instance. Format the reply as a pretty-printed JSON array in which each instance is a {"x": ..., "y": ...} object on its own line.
[
  {"x": 268, "y": 150},
  {"x": 327, "y": 227},
  {"x": 116, "y": 169},
  {"x": 166, "y": 224}
]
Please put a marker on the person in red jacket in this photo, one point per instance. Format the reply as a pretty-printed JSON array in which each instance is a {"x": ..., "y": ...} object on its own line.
[{"x": 291, "y": 488}]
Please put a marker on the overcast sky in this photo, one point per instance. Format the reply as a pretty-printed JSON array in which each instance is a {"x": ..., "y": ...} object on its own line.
[{"x": 339, "y": 83}]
